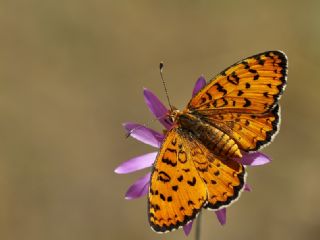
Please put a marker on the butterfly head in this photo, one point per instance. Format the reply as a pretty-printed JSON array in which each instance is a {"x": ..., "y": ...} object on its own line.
[{"x": 174, "y": 113}]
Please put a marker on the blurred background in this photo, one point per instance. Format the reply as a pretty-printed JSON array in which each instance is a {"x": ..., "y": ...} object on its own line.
[{"x": 72, "y": 71}]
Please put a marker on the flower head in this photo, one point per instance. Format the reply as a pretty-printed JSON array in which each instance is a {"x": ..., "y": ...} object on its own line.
[{"x": 155, "y": 139}]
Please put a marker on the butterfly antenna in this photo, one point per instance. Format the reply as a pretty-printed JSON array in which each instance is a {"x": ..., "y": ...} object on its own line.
[{"x": 164, "y": 84}]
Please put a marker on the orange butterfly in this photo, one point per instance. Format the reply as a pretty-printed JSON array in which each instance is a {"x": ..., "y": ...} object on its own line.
[{"x": 237, "y": 111}]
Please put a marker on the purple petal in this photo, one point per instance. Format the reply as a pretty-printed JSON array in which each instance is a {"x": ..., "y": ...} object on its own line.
[
  {"x": 139, "y": 188},
  {"x": 157, "y": 108},
  {"x": 144, "y": 134},
  {"x": 136, "y": 163},
  {"x": 187, "y": 228},
  {"x": 201, "y": 82},
  {"x": 247, "y": 187},
  {"x": 254, "y": 159},
  {"x": 222, "y": 216}
]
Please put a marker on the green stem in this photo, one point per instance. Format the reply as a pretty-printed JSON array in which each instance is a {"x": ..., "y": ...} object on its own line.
[{"x": 198, "y": 227}]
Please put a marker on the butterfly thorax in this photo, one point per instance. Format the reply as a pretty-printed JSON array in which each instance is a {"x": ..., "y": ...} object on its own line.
[{"x": 217, "y": 141}]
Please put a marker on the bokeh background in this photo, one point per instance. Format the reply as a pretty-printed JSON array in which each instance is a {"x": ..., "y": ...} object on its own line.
[{"x": 71, "y": 71}]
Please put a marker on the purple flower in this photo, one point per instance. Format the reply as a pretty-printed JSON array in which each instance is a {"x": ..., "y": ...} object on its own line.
[{"x": 154, "y": 139}]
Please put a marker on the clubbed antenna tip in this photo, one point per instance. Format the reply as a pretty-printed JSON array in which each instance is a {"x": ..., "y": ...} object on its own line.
[{"x": 161, "y": 66}]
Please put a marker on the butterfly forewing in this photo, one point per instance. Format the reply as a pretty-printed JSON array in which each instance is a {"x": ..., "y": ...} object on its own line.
[
  {"x": 176, "y": 193},
  {"x": 252, "y": 85}
]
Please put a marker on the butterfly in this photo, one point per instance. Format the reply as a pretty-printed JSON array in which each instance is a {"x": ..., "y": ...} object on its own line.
[{"x": 235, "y": 113}]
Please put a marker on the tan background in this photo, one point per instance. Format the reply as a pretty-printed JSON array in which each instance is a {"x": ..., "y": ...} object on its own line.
[{"x": 71, "y": 71}]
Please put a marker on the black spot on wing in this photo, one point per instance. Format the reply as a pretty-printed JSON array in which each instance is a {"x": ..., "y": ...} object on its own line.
[
  {"x": 180, "y": 178},
  {"x": 175, "y": 188},
  {"x": 164, "y": 177},
  {"x": 209, "y": 95},
  {"x": 169, "y": 162},
  {"x": 240, "y": 92},
  {"x": 247, "y": 102},
  {"x": 220, "y": 88},
  {"x": 193, "y": 182}
]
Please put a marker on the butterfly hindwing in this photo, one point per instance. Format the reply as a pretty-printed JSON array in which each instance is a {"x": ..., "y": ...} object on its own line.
[
  {"x": 250, "y": 131},
  {"x": 176, "y": 193},
  {"x": 224, "y": 179}
]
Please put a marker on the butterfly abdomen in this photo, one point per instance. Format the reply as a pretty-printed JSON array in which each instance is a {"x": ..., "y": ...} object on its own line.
[{"x": 213, "y": 138}]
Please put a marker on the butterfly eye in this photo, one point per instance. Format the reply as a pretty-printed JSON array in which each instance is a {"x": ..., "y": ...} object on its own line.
[{"x": 171, "y": 118}]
